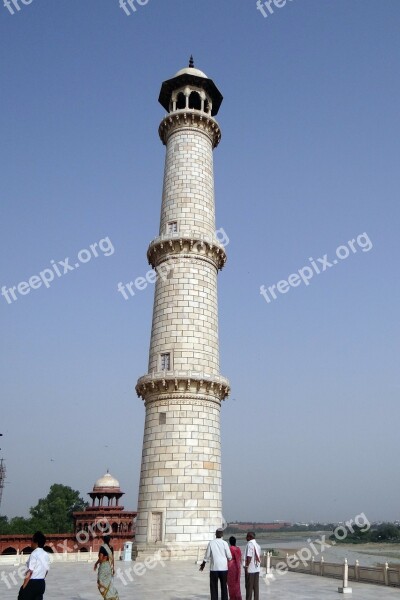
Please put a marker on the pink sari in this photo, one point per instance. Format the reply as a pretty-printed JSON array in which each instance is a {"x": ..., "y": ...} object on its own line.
[{"x": 234, "y": 567}]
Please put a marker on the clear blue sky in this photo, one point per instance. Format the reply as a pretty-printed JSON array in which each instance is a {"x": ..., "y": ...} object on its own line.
[{"x": 309, "y": 159}]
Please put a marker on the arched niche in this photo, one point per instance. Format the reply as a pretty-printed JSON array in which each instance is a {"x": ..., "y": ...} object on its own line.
[
  {"x": 180, "y": 101},
  {"x": 195, "y": 100},
  {"x": 9, "y": 551}
]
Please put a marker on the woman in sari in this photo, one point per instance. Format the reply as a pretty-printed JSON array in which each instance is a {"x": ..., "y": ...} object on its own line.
[
  {"x": 105, "y": 562},
  {"x": 234, "y": 567}
]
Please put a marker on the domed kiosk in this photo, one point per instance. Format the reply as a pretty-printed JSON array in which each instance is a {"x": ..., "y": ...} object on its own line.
[
  {"x": 106, "y": 491},
  {"x": 106, "y": 515}
]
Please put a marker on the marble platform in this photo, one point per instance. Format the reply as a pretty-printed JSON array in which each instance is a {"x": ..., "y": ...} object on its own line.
[{"x": 182, "y": 581}]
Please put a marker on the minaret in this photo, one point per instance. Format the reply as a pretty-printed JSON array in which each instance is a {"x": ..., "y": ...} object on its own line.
[{"x": 179, "y": 505}]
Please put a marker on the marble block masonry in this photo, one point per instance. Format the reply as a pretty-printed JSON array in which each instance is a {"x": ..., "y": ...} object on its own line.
[{"x": 180, "y": 505}]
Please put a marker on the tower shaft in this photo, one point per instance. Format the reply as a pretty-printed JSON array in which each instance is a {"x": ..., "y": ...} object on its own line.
[{"x": 179, "y": 505}]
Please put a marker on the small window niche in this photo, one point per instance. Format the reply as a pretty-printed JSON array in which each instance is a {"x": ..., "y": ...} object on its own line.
[
  {"x": 172, "y": 227},
  {"x": 162, "y": 418},
  {"x": 165, "y": 361}
]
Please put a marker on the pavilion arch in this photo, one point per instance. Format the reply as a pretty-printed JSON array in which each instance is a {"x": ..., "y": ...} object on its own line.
[
  {"x": 83, "y": 549},
  {"x": 115, "y": 527},
  {"x": 181, "y": 101},
  {"x": 27, "y": 550},
  {"x": 9, "y": 551},
  {"x": 195, "y": 100},
  {"x": 49, "y": 549}
]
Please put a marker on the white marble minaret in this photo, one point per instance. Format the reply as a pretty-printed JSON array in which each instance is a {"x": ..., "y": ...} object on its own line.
[{"x": 179, "y": 504}]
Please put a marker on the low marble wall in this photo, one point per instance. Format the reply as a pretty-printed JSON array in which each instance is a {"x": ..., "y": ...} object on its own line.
[{"x": 384, "y": 575}]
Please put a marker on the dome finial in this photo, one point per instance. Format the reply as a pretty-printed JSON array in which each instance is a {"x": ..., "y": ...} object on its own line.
[{"x": 191, "y": 62}]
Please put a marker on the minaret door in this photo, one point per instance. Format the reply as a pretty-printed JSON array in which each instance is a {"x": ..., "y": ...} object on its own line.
[{"x": 156, "y": 527}]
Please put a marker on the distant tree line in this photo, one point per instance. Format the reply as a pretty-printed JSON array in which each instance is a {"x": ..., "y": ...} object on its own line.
[
  {"x": 52, "y": 514},
  {"x": 384, "y": 532}
]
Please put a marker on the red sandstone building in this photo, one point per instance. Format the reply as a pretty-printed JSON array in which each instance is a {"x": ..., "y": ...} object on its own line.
[{"x": 104, "y": 516}]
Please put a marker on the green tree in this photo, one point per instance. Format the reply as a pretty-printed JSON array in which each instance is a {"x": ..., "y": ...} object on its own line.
[
  {"x": 4, "y": 526},
  {"x": 20, "y": 525},
  {"x": 53, "y": 514},
  {"x": 386, "y": 532}
]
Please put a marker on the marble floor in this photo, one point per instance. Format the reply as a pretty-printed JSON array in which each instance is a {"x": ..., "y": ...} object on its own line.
[{"x": 179, "y": 581}]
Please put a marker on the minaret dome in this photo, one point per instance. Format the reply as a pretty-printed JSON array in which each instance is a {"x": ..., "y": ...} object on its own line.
[{"x": 190, "y": 89}]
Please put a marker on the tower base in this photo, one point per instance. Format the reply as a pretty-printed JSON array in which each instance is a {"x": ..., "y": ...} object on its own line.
[{"x": 169, "y": 552}]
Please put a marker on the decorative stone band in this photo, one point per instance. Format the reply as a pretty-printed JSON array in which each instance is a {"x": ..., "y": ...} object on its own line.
[
  {"x": 179, "y": 384},
  {"x": 202, "y": 248},
  {"x": 190, "y": 119}
]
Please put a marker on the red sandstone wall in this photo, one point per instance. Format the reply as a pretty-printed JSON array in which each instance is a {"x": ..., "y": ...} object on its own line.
[{"x": 66, "y": 542}]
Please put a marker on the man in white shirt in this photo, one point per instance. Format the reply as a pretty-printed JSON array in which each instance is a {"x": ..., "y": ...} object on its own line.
[
  {"x": 38, "y": 564},
  {"x": 218, "y": 554},
  {"x": 252, "y": 564}
]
